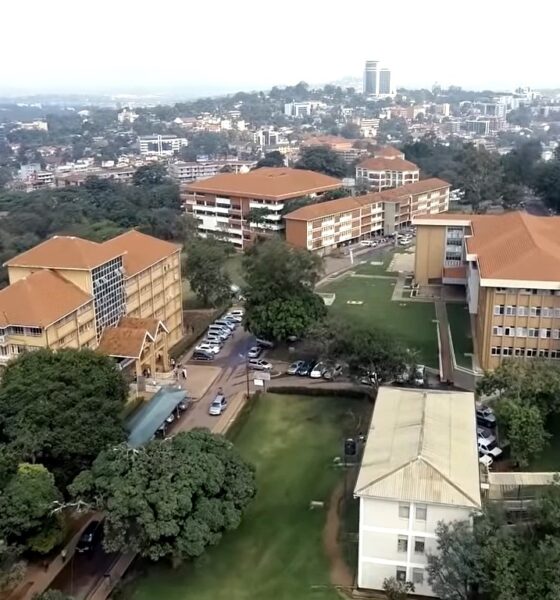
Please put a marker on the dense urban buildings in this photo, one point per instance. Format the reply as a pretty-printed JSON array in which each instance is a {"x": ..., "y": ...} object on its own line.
[
  {"x": 222, "y": 204},
  {"x": 387, "y": 168},
  {"x": 510, "y": 267},
  {"x": 325, "y": 226},
  {"x": 419, "y": 467},
  {"x": 122, "y": 296}
]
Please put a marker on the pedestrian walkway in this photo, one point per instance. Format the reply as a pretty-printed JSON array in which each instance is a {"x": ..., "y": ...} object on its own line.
[{"x": 445, "y": 351}]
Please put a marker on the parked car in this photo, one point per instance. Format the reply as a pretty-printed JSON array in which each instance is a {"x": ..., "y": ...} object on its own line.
[
  {"x": 318, "y": 370},
  {"x": 258, "y": 364},
  {"x": 91, "y": 536},
  {"x": 485, "y": 416},
  {"x": 294, "y": 367},
  {"x": 218, "y": 405},
  {"x": 369, "y": 378},
  {"x": 202, "y": 355},
  {"x": 170, "y": 418},
  {"x": 332, "y": 372},
  {"x": 491, "y": 449},
  {"x": 254, "y": 352},
  {"x": 222, "y": 333},
  {"x": 237, "y": 312},
  {"x": 306, "y": 368},
  {"x": 482, "y": 434},
  {"x": 226, "y": 324},
  {"x": 182, "y": 406},
  {"x": 208, "y": 347},
  {"x": 213, "y": 340},
  {"x": 486, "y": 460},
  {"x": 365, "y": 242},
  {"x": 235, "y": 318}
]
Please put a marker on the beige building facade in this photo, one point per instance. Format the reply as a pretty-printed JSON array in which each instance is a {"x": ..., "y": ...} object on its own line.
[
  {"x": 122, "y": 297},
  {"x": 509, "y": 266}
]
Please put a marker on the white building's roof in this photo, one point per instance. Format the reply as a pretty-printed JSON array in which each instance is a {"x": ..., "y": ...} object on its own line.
[{"x": 421, "y": 447}]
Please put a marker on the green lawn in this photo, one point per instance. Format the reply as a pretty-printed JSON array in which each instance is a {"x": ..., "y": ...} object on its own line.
[
  {"x": 367, "y": 268},
  {"x": 277, "y": 553},
  {"x": 549, "y": 460},
  {"x": 412, "y": 322},
  {"x": 460, "y": 325}
]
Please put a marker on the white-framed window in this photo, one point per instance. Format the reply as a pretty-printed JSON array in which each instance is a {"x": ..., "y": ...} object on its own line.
[
  {"x": 532, "y": 332},
  {"x": 530, "y": 352},
  {"x": 419, "y": 545},
  {"x": 421, "y": 512},
  {"x": 521, "y": 332},
  {"x": 402, "y": 543},
  {"x": 418, "y": 576},
  {"x": 404, "y": 511},
  {"x": 547, "y": 312},
  {"x": 518, "y": 351},
  {"x": 497, "y": 330},
  {"x": 495, "y": 351},
  {"x": 498, "y": 309},
  {"x": 507, "y": 351},
  {"x": 522, "y": 311},
  {"x": 545, "y": 333},
  {"x": 510, "y": 331},
  {"x": 555, "y": 334},
  {"x": 401, "y": 574},
  {"x": 510, "y": 310},
  {"x": 557, "y": 313}
]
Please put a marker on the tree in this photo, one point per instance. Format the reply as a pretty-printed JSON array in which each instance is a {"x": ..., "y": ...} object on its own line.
[
  {"x": 258, "y": 216},
  {"x": 524, "y": 427},
  {"x": 62, "y": 408},
  {"x": 397, "y": 590},
  {"x": 172, "y": 498},
  {"x": 148, "y": 175},
  {"x": 351, "y": 131},
  {"x": 11, "y": 567},
  {"x": 5, "y": 177},
  {"x": 323, "y": 160},
  {"x": 519, "y": 164},
  {"x": 272, "y": 159},
  {"x": 547, "y": 182},
  {"x": 205, "y": 270},
  {"x": 26, "y": 506},
  {"x": 456, "y": 568},
  {"x": 280, "y": 301},
  {"x": 481, "y": 176}
]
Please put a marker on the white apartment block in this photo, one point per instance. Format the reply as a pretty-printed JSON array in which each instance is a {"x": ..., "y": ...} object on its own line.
[
  {"x": 298, "y": 109},
  {"x": 381, "y": 173},
  {"x": 419, "y": 467},
  {"x": 160, "y": 145},
  {"x": 185, "y": 172}
]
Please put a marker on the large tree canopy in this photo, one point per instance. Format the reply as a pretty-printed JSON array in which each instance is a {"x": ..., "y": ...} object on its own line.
[
  {"x": 172, "y": 498},
  {"x": 323, "y": 160},
  {"x": 61, "y": 408},
  {"x": 280, "y": 301}
]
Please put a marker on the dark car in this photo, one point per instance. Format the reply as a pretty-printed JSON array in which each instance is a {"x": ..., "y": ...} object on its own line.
[
  {"x": 90, "y": 538},
  {"x": 202, "y": 355},
  {"x": 485, "y": 416},
  {"x": 306, "y": 368}
]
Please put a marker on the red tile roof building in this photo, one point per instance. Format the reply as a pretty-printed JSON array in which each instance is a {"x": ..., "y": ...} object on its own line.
[
  {"x": 324, "y": 226},
  {"x": 386, "y": 169}
]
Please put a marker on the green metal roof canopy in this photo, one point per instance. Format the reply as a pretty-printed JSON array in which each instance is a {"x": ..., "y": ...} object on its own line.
[{"x": 143, "y": 424}]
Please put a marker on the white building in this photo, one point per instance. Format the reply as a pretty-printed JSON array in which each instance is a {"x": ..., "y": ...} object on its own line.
[
  {"x": 127, "y": 116},
  {"x": 420, "y": 466},
  {"x": 182, "y": 171},
  {"x": 161, "y": 145},
  {"x": 378, "y": 80},
  {"x": 298, "y": 109}
]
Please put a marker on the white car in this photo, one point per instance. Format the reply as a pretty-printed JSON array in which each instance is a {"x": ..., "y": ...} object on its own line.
[
  {"x": 237, "y": 312},
  {"x": 208, "y": 347},
  {"x": 488, "y": 449},
  {"x": 258, "y": 364},
  {"x": 486, "y": 460},
  {"x": 365, "y": 242},
  {"x": 254, "y": 352},
  {"x": 318, "y": 370},
  {"x": 234, "y": 318},
  {"x": 485, "y": 436}
]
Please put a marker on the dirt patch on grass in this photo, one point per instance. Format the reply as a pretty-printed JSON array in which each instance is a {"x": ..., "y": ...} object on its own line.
[{"x": 340, "y": 573}]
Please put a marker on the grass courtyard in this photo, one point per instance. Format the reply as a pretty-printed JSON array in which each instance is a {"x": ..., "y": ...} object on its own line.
[
  {"x": 277, "y": 552},
  {"x": 460, "y": 325},
  {"x": 411, "y": 322}
]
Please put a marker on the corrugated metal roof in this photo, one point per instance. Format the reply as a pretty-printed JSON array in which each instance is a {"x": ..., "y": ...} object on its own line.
[{"x": 421, "y": 447}]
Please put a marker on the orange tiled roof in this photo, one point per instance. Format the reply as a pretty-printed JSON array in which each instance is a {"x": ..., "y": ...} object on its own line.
[
  {"x": 64, "y": 252},
  {"x": 140, "y": 250},
  {"x": 121, "y": 342},
  {"x": 512, "y": 246},
  {"x": 147, "y": 324},
  {"x": 418, "y": 187},
  {"x": 387, "y": 164},
  {"x": 388, "y": 152},
  {"x": 333, "y": 141},
  {"x": 39, "y": 300},
  {"x": 266, "y": 183}
]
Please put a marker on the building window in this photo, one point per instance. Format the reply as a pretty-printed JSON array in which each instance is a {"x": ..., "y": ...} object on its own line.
[
  {"x": 522, "y": 311},
  {"x": 421, "y": 511},
  {"x": 518, "y": 352},
  {"x": 531, "y": 352},
  {"x": 419, "y": 545},
  {"x": 496, "y": 330},
  {"x": 532, "y": 332},
  {"x": 402, "y": 544},
  {"x": 495, "y": 351},
  {"x": 521, "y": 332},
  {"x": 401, "y": 574},
  {"x": 404, "y": 511},
  {"x": 507, "y": 351},
  {"x": 500, "y": 290},
  {"x": 499, "y": 309},
  {"x": 535, "y": 311},
  {"x": 545, "y": 333},
  {"x": 418, "y": 576},
  {"x": 547, "y": 312},
  {"x": 510, "y": 310},
  {"x": 509, "y": 331}
]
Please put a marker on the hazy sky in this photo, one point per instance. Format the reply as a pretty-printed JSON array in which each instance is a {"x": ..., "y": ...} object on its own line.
[{"x": 120, "y": 45}]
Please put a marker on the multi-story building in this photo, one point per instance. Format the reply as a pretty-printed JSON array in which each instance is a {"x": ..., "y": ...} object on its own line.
[
  {"x": 267, "y": 137},
  {"x": 222, "y": 204},
  {"x": 161, "y": 145},
  {"x": 298, "y": 109},
  {"x": 344, "y": 147},
  {"x": 325, "y": 226},
  {"x": 509, "y": 265},
  {"x": 377, "y": 80},
  {"x": 122, "y": 296},
  {"x": 386, "y": 169},
  {"x": 419, "y": 468},
  {"x": 184, "y": 172}
]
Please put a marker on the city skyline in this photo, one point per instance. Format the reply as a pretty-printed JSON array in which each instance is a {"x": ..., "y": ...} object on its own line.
[{"x": 120, "y": 49}]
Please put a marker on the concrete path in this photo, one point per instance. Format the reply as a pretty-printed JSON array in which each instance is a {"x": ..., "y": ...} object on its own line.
[{"x": 445, "y": 350}]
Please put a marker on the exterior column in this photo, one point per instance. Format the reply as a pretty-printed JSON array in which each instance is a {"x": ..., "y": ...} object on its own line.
[
  {"x": 165, "y": 353},
  {"x": 153, "y": 360}
]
